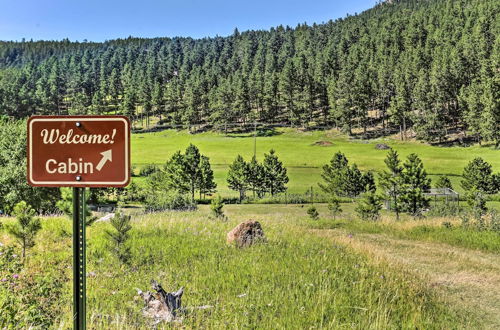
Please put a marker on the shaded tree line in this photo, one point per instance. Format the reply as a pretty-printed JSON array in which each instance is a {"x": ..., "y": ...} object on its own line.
[{"x": 426, "y": 66}]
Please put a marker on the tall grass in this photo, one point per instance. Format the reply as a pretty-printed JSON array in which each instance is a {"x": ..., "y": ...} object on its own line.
[{"x": 296, "y": 280}]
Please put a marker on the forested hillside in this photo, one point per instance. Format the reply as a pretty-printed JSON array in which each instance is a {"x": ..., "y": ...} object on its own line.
[{"x": 429, "y": 66}]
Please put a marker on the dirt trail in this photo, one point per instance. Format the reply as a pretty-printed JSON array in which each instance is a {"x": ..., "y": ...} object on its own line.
[{"x": 468, "y": 278}]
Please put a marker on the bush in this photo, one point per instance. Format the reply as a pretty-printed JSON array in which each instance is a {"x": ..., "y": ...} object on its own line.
[
  {"x": 369, "y": 206},
  {"x": 313, "y": 212},
  {"x": 169, "y": 200},
  {"x": 445, "y": 209},
  {"x": 216, "y": 207},
  {"x": 148, "y": 169}
]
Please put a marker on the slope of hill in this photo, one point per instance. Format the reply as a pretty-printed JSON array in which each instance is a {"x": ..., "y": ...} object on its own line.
[{"x": 429, "y": 66}]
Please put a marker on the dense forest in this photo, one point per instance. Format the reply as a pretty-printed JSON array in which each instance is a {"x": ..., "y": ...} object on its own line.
[{"x": 428, "y": 68}]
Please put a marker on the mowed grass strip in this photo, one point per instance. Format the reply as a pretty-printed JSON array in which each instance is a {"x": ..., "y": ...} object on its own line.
[{"x": 301, "y": 154}]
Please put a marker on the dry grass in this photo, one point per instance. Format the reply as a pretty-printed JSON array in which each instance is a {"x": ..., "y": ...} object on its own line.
[{"x": 469, "y": 279}]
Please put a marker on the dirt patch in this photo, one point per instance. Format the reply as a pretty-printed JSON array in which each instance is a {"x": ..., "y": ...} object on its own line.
[{"x": 323, "y": 143}]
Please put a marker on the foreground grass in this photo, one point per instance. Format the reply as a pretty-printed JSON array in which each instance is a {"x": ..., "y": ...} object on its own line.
[
  {"x": 296, "y": 280},
  {"x": 301, "y": 155}
]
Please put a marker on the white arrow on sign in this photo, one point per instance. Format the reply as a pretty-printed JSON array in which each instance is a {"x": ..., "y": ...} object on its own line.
[{"x": 106, "y": 155}]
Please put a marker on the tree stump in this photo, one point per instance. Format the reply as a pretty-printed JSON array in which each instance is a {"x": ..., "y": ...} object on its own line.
[{"x": 162, "y": 305}]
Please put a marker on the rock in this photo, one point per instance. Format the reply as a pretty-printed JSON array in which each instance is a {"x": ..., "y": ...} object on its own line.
[
  {"x": 382, "y": 146},
  {"x": 246, "y": 234},
  {"x": 323, "y": 143},
  {"x": 107, "y": 217}
]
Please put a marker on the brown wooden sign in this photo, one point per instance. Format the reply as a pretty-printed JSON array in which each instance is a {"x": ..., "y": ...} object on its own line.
[{"x": 78, "y": 151}]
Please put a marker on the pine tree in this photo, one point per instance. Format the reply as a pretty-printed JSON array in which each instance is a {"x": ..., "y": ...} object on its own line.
[
  {"x": 334, "y": 206},
  {"x": 275, "y": 174},
  {"x": 237, "y": 176},
  {"x": 414, "y": 183},
  {"x": 206, "y": 184},
  {"x": 368, "y": 207},
  {"x": 390, "y": 180},
  {"x": 26, "y": 227},
  {"x": 478, "y": 175},
  {"x": 256, "y": 178},
  {"x": 443, "y": 182}
]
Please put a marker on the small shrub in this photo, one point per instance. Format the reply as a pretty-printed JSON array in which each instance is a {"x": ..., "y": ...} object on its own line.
[
  {"x": 445, "y": 210},
  {"x": 169, "y": 200},
  {"x": 26, "y": 227},
  {"x": 148, "y": 169},
  {"x": 447, "y": 225},
  {"x": 369, "y": 206},
  {"x": 477, "y": 202},
  {"x": 216, "y": 207},
  {"x": 313, "y": 212},
  {"x": 119, "y": 237}
]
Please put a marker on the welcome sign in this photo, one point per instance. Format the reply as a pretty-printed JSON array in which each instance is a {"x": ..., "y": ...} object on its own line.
[{"x": 78, "y": 151}]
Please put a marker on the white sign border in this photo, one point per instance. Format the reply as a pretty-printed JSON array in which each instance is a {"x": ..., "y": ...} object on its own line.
[{"x": 84, "y": 183}]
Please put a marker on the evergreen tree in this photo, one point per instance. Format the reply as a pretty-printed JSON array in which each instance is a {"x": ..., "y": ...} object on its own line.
[
  {"x": 206, "y": 184},
  {"x": 237, "y": 176},
  {"x": 478, "y": 175},
  {"x": 390, "y": 180},
  {"x": 26, "y": 227},
  {"x": 368, "y": 207},
  {"x": 344, "y": 180},
  {"x": 275, "y": 174},
  {"x": 334, "y": 206},
  {"x": 414, "y": 183},
  {"x": 443, "y": 182}
]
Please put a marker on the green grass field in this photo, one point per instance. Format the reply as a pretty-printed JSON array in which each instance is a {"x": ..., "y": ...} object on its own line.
[
  {"x": 295, "y": 280},
  {"x": 301, "y": 156}
]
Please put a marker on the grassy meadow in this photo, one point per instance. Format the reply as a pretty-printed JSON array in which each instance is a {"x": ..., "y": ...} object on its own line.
[
  {"x": 295, "y": 280},
  {"x": 301, "y": 153}
]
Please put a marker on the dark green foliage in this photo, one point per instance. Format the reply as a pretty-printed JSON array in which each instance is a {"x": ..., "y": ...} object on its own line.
[
  {"x": 65, "y": 204},
  {"x": 119, "y": 237},
  {"x": 256, "y": 178},
  {"x": 26, "y": 227},
  {"x": 238, "y": 176},
  {"x": 478, "y": 175},
  {"x": 368, "y": 206},
  {"x": 344, "y": 180},
  {"x": 390, "y": 181},
  {"x": 185, "y": 173},
  {"x": 148, "y": 169},
  {"x": 430, "y": 66},
  {"x": 443, "y": 182},
  {"x": 13, "y": 184},
  {"x": 313, "y": 213},
  {"x": 206, "y": 184},
  {"x": 414, "y": 183},
  {"x": 216, "y": 206},
  {"x": 275, "y": 176}
]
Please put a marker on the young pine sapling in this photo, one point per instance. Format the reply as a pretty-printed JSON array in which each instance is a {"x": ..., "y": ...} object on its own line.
[{"x": 26, "y": 227}]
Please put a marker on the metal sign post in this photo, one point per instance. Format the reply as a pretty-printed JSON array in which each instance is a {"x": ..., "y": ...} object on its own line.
[{"x": 79, "y": 269}]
